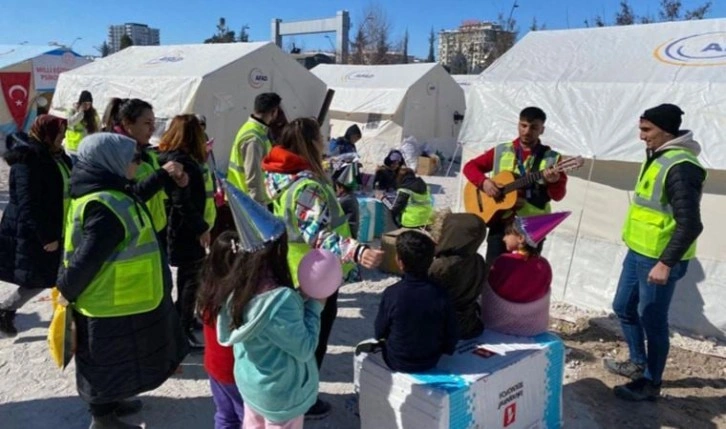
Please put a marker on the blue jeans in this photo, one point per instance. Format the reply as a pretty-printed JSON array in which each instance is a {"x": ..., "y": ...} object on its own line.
[{"x": 642, "y": 308}]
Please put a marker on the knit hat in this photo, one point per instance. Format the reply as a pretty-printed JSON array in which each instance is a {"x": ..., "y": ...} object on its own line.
[
  {"x": 256, "y": 226},
  {"x": 85, "y": 97},
  {"x": 667, "y": 117},
  {"x": 535, "y": 228}
]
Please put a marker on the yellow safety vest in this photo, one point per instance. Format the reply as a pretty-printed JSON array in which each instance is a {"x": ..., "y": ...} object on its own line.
[
  {"x": 650, "y": 223},
  {"x": 505, "y": 159},
  {"x": 210, "y": 209},
  {"x": 66, "y": 178},
  {"x": 131, "y": 280},
  {"x": 76, "y": 133},
  {"x": 419, "y": 211},
  {"x": 236, "y": 172},
  {"x": 284, "y": 208},
  {"x": 156, "y": 204}
]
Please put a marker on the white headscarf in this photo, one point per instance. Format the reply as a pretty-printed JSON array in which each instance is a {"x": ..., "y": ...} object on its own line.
[{"x": 108, "y": 152}]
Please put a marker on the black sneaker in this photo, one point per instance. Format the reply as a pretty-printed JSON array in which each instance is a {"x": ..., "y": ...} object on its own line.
[
  {"x": 318, "y": 411},
  {"x": 193, "y": 341},
  {"x": 7, "y": 324},
  {"x": 639, "y": 390},
  {"x": 625, "y": 368}
]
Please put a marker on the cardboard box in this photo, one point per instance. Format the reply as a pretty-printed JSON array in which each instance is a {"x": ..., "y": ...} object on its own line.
[
  {"x": 427, "y": 165},
  {"x": 388, "y": 245},
  {"x": 495, "y": 381}
]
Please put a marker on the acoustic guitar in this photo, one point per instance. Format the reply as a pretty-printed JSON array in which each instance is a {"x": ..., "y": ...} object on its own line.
[{"x": 476, "y": 201}]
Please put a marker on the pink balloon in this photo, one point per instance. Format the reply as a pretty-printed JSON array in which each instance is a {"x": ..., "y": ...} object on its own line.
[{"x": 320, "y": 274}]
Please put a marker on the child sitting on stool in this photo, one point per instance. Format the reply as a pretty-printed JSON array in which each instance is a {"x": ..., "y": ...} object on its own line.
[
  {"x": 516, "y": 299},
  {"x": 414, "y": 205}
]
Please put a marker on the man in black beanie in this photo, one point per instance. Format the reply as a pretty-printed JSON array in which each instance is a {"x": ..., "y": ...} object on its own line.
[
  {"x": 663, "y": 223},
  {"x": 346, "y": 143}
]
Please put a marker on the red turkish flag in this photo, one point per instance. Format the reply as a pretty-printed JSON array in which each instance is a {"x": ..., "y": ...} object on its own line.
[{"x": 15, "y": 87}]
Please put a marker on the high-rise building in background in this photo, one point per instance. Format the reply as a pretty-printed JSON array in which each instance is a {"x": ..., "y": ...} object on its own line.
[
  {"x": 471, "y": 47},
  {"x": 140, "y": 34}
]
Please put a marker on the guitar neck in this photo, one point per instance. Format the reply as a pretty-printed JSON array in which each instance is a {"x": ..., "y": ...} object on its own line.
[{"x": 524, "y": 181}]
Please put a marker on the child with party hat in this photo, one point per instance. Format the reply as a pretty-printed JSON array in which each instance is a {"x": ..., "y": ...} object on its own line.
[{"x": 516, "y": 298}]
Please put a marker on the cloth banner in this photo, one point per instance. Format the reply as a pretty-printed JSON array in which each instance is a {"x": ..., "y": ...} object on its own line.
[{"x": 15, "y": 87}]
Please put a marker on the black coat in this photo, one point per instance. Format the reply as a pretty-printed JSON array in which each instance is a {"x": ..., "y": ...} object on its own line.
[
  {"x": 186, "y": 212},
  {"x": 33, "y": 216},
  {"x": 117, "y": 357}
]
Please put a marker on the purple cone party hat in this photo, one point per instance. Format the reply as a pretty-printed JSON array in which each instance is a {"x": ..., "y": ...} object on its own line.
[
  {"x": 535, "y": 228},
  {"x": 256, "y": 226}
]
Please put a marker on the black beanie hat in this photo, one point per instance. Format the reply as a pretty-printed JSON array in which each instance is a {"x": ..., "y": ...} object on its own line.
[
  {"x": 667, "y": 117},
  {"x": 352, "y": 130},
  {"x": 85, "y": 96}
]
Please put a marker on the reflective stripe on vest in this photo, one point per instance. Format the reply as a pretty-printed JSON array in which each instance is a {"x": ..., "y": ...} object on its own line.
[
  {"x": 236, "y": 173},
  {"x": 505, "y": 159},
  {"x": 650, "y": 223},
  {"x": 156, "y": 204},
  {"x": 285, "y": 206},
  {"x": 131, "y": 280},
  {"x": 210, "y": 209},
  {"x": 419, "y": 211},
  {"x": 66, "y": 177}
]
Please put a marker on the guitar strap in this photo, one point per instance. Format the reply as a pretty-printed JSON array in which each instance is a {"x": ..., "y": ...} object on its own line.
[{"x": 537, "y": 193}]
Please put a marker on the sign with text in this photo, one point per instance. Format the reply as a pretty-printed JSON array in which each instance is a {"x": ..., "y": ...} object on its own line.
[{"x": 47, "y": 68}]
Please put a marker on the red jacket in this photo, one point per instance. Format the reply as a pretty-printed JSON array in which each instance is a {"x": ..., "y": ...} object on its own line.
[
  {"x": 218, "y": 360},
  {"x": 476, "y": 172}
]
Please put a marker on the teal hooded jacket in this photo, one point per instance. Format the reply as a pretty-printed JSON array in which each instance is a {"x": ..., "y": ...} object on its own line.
[{"x": 274, "y": 353}]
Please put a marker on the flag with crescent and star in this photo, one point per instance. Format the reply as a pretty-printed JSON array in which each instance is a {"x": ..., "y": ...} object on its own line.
[{"x": 15, "y": 87}]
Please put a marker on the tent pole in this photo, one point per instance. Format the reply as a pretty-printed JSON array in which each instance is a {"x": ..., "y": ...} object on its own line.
[
  {"x": 577, "y": 231},
  {"x": 459, "y": 145}
]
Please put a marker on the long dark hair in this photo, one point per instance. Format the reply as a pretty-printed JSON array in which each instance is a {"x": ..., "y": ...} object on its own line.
[
  {"x": 132, "y": 109},
  {"x": 243, "y": 277},
  {"x": 301, "y": 137},
  {"x": 216, "y": 267},
  {"x": 110, "y": 115}
]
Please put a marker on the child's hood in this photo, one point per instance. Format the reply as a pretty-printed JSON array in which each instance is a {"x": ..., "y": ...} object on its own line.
[
  {"x": 258, "y": 314},
  {"x": 461, "y": 235}
]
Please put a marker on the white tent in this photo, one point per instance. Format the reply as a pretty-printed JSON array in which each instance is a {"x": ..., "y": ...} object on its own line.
[
  {"x": 594, "y": 84},
  {"x": 465, "y": 81},
  {"x": 28, "y": 75},
  {"x": 219, "y": 81},
  {"x": 391, "y": 102}
]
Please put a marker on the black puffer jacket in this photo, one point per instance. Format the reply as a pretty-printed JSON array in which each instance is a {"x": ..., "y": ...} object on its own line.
[
  {"x": 186, "y": 212},
  {"x": 413, "y": 184},
  {"x": 684, "y": 186},
  {"x": 33, "y": 216},
  {"x": 116, "y": 357},
  {"x": 461, "y": 270}
]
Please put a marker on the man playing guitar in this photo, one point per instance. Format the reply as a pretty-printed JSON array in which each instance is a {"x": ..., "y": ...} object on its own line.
[{"x": 523, "y": 155}]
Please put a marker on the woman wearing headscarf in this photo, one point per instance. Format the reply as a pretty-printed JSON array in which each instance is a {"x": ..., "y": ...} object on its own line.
[
  {"x": 116, "y": 279},
  {"x": 32, "y": 224}
]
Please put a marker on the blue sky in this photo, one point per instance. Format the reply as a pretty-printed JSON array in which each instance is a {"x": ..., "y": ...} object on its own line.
[{"x": 43, "y": 21}]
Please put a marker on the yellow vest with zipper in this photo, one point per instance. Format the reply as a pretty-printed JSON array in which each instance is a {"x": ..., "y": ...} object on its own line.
[
  {"x": 156, "y": 204},
  {"x": 210, "y": 209},
  {"x": 650, "y": 223},
  {"x": 284, "y": 208},
  {"x": 505, "y": 159},
  {"x": 419, "y": 210},
  {"x": 76, "y": 133},
  {"x": 131, "y": 280},
  {"x": 236, "y": 173}
]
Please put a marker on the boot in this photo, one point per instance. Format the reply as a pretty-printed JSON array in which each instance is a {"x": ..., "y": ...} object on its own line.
[
  {"x": 7, "y": 324},
  {"x": 110, "y": 421}
]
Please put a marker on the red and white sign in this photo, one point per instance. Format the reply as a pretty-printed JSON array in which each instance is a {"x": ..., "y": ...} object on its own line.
[
  {"x": 15, "y": 87},
  {"x": 510, "y": 415},
  {"x": 47, "y": 68}
]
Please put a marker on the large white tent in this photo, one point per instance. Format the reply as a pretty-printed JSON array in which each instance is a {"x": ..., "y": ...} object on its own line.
[
  {"x": 219, "y": 81},
  {"x": 390, "y": 102},
  {"x": 465, "y": 81},
  {"x": 594, "y": 84}
]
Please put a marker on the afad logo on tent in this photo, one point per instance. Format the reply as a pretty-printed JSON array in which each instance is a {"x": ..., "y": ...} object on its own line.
[
  {"x": 257, "y": 78},
  {"x": 706, "y": 49},
  {"x": 359, "y": 75}
]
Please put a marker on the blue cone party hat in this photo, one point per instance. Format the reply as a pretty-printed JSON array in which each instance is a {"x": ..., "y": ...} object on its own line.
[{"x": 256, "y": 226}]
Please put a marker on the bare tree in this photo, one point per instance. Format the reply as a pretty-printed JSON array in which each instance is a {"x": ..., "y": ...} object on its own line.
[
  {"x": 535, "y": 26},
  {"x": 223, "y": 35},
  {"x": 359, "y": 47},
  {"x": 505, "y": 38},
  {"x": 104, "y": 49},
  {"x": 244, "y": 35},
  {"x": 376, "y": 27},
  {"x": 432, "y": 39},
  {"x": 405, "y": 47},
  {"x": 700, "y": 12},
  {"x": 625, "y": 16},
  {"x": 459, "y": 64},
  {"x": 670, "y": 10}
]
